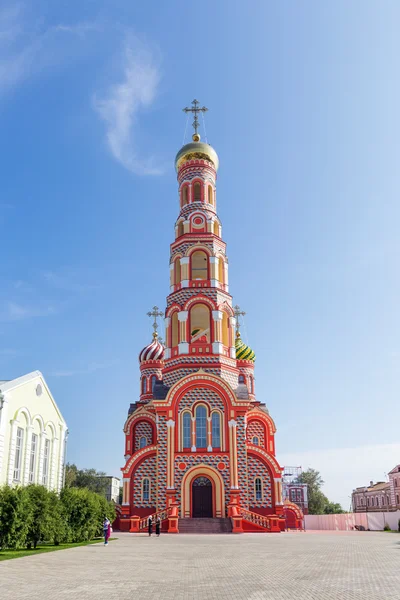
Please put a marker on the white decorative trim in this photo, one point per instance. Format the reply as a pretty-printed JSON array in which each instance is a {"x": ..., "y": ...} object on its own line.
[
  {"x": 217, "y": 347},
  {"x": 183, "y": 315},
  {"x": 170, "y": 423},
  {"x": 217, "y": 315},
  {"x": 183, "y": 348},
  {"x": 193, "y": 449},
  {"x": 232, "y": 423}
]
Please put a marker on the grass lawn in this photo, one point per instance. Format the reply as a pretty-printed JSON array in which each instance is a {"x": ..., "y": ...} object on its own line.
[{"x": 8, "y": 554}]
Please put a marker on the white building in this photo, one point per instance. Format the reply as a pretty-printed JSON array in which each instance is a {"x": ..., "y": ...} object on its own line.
[
  {"x": 113, "y": 488},
  {"x": 33, "y": 433}
]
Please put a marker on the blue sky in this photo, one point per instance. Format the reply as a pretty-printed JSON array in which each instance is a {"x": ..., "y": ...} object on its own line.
[{"x": 304, "y": 115}]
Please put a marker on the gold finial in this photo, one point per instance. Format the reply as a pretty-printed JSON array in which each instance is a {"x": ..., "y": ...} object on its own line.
[{"x": 196, "y": 137}]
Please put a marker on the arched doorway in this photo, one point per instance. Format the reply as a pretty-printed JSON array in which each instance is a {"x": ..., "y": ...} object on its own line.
[{"x": 202, "y": 498}]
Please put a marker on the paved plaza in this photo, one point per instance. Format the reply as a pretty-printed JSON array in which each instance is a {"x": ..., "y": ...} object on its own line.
[{"x": 295, "y": 566}]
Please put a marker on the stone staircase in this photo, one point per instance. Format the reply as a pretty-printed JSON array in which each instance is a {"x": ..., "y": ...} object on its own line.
[{"x": 205, "y": 526}]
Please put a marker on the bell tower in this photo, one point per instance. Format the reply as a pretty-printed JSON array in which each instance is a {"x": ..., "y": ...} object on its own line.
[{"x": 200, "y": 321}]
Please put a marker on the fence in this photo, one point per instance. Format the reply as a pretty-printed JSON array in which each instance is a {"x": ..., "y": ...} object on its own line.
[{"x": 374, "y": 521}]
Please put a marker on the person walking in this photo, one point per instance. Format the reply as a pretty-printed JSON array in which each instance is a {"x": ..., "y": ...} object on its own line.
[
  {"x": 158, "y": 527},
  {"x": 106, "y": 530},
  {"x": 150, "y": 526}
]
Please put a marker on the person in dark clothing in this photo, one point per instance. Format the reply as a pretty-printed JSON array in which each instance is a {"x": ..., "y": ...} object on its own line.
[
  {"x": 158, "y": 527},
  {"x": 150, "y": 526}
]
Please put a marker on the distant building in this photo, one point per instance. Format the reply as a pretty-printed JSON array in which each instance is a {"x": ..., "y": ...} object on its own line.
[
  {"x": 113, "y": 488},
  {"x": 293, "y": 490},
  {"x": 33, "y": 433},
  {"x": 394, "y": 481},
  {"x": 373, "y": 498}
]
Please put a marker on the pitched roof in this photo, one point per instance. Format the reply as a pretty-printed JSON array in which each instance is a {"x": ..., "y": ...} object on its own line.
[{"x": 395, "y": 470}]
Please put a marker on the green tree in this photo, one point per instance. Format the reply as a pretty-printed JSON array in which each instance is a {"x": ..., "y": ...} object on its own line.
[
  {"x": 318, "y": 503},
  {"x": 93, "y": 480},
  {"x": 41, "y": 521},
  {"x": 333, "y": 508},
  {"x": 84, "y": 513},
  {"x": 15, "y": 516}
]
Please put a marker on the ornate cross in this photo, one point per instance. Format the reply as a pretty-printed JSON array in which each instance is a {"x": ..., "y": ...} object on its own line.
[
  {"x": 195, "y": 110},
  {"x": 155, "y": 313},
  {"x": 238, "y": 313}
]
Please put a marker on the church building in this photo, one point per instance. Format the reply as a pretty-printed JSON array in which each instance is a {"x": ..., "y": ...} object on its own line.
[{"x": 199, "y": 446}]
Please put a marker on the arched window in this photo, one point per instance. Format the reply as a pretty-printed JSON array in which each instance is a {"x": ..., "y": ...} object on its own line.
[
  {"x": 251, "y": 384},
  {"x": 199, "y": 265},
  {"x": 200, "y": 323},
  {"x": 372, "y": 501},
  {"x": 144, "y": 385},
  {"x": 153, "y": 380},
  {"x": 256, "y": 441},
  {"x": 216, "y": 228},
  {"x": 146, "y": 490},
  {"x": 174, "y": 329},
  {"x": 184, "y": 195},
  {"x": 258, "y": 489},
  {"x": 187, "y": 430},
  {"x": 242, "y": 379},
  {"x": 197, "y": 191},
  {"x": 143, "y": 442},
  {"x": 210, "y": 195},
  {"x": 46, "y": 462},
  {"x": 201, "y": 427},
  {"x": 177, "y": 269},
  {"x": 180, "y": 228},
  {"x": 225, "y": 329},
  {"x": 19, "y": 443},
  {"x": 216, "y": 430},
  {"x": 221, "y": 270}
]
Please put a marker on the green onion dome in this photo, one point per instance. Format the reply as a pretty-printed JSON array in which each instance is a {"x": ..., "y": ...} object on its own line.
[{"x": 243, "y": 352}]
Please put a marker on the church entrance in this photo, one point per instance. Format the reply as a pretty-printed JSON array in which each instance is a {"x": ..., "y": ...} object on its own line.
[{"x": 202, "y": 498}]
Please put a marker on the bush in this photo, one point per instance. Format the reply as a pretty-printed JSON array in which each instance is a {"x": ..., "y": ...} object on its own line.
[
  {"x": 398, "y": 525},
  {"x": 387, "y": 527},
  {"x": 33, "y": 514},
  {"x": 15, "y": 517}
]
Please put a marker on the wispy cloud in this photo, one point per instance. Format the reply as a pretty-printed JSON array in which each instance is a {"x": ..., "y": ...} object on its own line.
[
  {"x": 18, "y": 312},
  {"x": 27, "y": 48},
  {"x": 67, "y": 280},
  {"x": 120, "y": 105},
  {"x": 90, "y": 368}
]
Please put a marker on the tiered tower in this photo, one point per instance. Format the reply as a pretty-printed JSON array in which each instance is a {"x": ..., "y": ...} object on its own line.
[{"x": 197, "y": 423}]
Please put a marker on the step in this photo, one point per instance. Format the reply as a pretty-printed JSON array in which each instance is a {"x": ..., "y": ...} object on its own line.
[{"x": 205, "y": 526}]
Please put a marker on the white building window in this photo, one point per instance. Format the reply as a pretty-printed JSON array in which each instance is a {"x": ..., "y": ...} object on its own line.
[
  {"x": 201, "y": 427},
  {"x": 256, "y": 441},
  {"x": 46, "y": 460},
  {"x": 18, "y": 454},
  {"x": 32, "y": 460}
]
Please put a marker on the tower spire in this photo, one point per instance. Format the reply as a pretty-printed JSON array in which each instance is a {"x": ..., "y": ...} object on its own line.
[{"x": 195, "y": 110}]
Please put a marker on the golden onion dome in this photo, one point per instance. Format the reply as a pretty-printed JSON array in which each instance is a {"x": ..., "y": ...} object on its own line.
[
  {"x": 196, "y": 150},
  {"x": 243, "y": 352}
]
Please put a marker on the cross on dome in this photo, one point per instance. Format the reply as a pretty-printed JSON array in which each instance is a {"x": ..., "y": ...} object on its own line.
[
  {"x": 238, "y": 313},
  {"x": 155, "y": 312},
  {"x": 195, "y": 110}
]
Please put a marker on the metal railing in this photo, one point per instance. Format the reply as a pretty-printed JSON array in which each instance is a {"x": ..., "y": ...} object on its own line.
[
  {"x": 254, "y": 518},
  {"x": 162, "y": 515}
]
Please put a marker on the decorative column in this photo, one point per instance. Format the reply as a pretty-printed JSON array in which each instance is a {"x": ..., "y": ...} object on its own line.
[
  {"x": 209, "y": 434},
  {"x": 233, "y": 457},
  {"x": 167, "y": 325},
  {"x": 193, "y": 448},
  {"x": 27, "y": 455},
  {"x": 62, "y": 457},
  {"x": 217, "y": 343},
  {"x": 172, "y": 276},
  {"x": 214, "y": 260},
  {"x": 3, "y": 421},
  {"x": 125, "y": 491},
  {"x": 186, "y": 226},
  {"x": 53, "y": 464},
  {"x": 185, "y": 260},
  {"x": 183, "y": 345},
  {"x": 11, "y": 455},
  {"x": 226, "y": 282},
  {"x": 170, "y": 453},
  {"x": 42, "y": 438},
  {"x": 232, "y": 329}
]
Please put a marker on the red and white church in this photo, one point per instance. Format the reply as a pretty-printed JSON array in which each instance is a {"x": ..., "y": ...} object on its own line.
[{"x": 199, "y": 446}]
